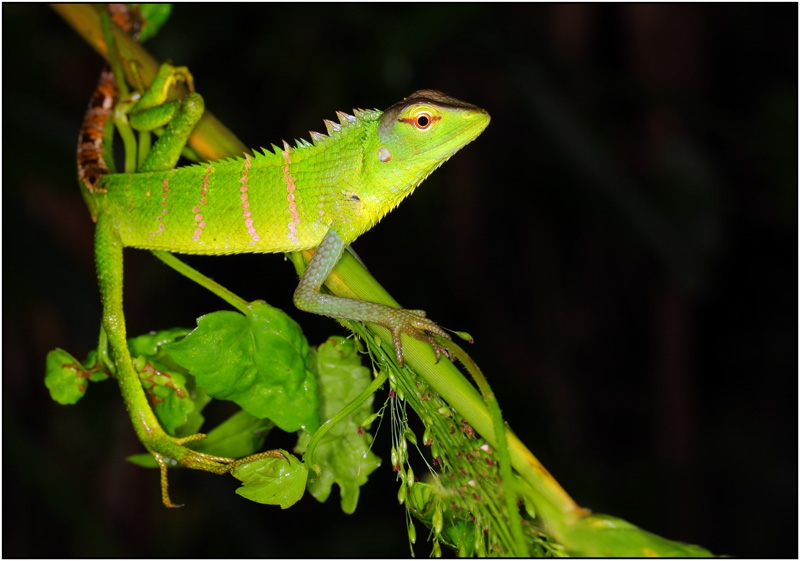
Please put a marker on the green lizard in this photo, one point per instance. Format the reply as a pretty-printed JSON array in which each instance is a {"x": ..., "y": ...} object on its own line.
[{"x": 322, "y": 194}]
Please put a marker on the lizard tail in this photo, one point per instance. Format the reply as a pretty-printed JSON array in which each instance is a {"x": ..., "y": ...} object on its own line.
[{"x": 92, "y": 164}]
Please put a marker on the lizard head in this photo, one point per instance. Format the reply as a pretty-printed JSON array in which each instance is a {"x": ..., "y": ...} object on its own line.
[
  {"x": 421, "y": 132},
  {"x": 414, "y": 137}
]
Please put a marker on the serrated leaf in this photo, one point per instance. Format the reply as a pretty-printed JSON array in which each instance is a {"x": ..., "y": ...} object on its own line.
[
  {"x": 66, "y": 378},
  {"x": 177, "y": 414},
  {"x": 343, "y": 454},
  {"x": 272, "y": 481},
  {"x": 258, "y": 361},
  {"x": 162, "y": 379},
  {"x": 173, "y": 404}
]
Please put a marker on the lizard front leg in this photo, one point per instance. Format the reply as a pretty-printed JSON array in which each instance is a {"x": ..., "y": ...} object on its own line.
[
  {"x": 398, "y": 321},
  {"x": 179, "y": 117}
]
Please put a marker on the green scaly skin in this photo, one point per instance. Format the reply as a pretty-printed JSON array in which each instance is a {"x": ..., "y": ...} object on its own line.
[{"x": 318, "y": 195}]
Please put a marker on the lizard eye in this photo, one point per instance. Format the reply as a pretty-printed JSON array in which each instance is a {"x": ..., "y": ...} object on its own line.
[
  {"x": 422, "y": 118},
  {"x": 423, "y": 121}
]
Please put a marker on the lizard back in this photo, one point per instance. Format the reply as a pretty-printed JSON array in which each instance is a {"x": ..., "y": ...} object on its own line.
[
  {"x": 273, "y": 201},
  {"x": 287, "y": 199}
]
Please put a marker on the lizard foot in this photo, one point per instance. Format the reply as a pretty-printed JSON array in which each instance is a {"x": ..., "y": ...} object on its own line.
[
  {"x": 170, "y": 451},
  {"x": 414, "y": 323}
]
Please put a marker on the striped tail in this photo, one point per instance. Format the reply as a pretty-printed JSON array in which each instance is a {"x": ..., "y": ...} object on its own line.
[{"x": 92, "y": 164}]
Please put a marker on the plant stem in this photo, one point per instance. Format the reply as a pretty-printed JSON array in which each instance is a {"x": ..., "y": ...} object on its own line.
[{"x": 198, "y": 277}]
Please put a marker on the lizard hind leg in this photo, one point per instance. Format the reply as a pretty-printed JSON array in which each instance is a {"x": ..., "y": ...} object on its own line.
[
  {"x": 151, "y": 111},
  {"x": 167, "y": 450}
]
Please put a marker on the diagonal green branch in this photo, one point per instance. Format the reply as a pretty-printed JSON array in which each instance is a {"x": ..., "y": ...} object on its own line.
[{"x": 211, "y": 140}]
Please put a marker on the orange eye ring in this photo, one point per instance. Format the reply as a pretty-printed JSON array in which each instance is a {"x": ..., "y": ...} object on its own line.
[{"x": 423, "y": 121}]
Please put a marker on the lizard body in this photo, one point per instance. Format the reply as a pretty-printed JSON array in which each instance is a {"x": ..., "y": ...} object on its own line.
[
  {"x": 288, "y": 199},
  {"x": 321, "y": 194}
]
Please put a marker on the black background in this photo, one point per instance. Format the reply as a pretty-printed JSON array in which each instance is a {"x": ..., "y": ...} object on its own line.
[{"x": 621, "y": 242}]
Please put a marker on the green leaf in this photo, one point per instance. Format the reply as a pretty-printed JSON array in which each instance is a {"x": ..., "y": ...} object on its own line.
[
  {"x": 167, "y": 391},
  {"x": 162, "y": 379},
  {"x": 153, "y": 17},
  {"x": 240, "y": 435},
  {"x": 257, "y": 361},
  {"x": 178, "y": 417},
  {"x": 67, "y": 379},
  {"x": 195, "y": 418},
  {"x": 462, "y": 535},
  {"x": 143, "y": 460},
  {"x": 343, "y": 454},
  {"x": 150, "y": 344},
  {"x": 272, "y": 481}
]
